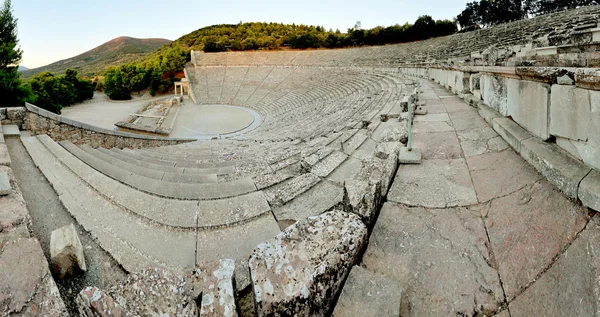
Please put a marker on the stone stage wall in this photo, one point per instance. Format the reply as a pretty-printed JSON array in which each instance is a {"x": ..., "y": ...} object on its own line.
[{"x": 550, "y": 115}]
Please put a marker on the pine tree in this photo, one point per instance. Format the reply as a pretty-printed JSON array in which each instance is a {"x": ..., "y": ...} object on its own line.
[{"x": 11, "y": 91}]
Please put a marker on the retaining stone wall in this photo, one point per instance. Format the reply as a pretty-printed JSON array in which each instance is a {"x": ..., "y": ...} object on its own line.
[
  {"x": 40, "y": 121},
  {"x": 550, "y": 104}
]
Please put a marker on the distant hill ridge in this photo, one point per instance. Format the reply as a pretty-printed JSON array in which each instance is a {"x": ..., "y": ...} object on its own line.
[{"x": 117, "y": 51}]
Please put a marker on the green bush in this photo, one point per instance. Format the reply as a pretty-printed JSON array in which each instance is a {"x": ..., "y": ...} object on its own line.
[{"x": 52, "y": 92}]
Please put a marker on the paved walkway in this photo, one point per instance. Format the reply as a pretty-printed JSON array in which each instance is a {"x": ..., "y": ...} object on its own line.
[{"x": 475, "y": 230}]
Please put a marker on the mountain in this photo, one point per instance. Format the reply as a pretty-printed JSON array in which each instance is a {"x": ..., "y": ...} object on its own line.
[
  {"x": 22, "y": 68},
  {"x": 112, "y": 53}
]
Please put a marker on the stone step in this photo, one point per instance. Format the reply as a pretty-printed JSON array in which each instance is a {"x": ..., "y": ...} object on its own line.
[
  {"x": 137, "y": 243},
  {"x": 150, "y": 173},
  {"x": 327, "y": 165},
  {"x": 284, "y": 192},
  {"x": 162, "y": 188},
  {"x": 164, "y": 211},
  {"x": 170, "y": 167}
]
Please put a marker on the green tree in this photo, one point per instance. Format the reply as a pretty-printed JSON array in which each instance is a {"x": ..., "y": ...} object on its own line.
[
  {"x": 12, "y": 93},
  {"x": 114, "y": 86}
]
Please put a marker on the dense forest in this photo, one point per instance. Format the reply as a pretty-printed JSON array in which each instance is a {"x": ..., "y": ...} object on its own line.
[{"x": 485, "y": 13}]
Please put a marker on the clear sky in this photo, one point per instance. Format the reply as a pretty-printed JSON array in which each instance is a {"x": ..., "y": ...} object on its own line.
[{"x": 51, "y": 30}]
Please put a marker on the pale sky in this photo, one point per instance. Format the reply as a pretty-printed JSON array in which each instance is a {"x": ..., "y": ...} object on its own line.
[{"x": 51, "y": 30}]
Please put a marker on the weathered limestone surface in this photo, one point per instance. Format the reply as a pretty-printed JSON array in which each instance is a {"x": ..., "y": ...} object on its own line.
[
  {"x": 14, "y": 217},
  {"x": 589, "y": 190},
  {"x": 216, "y": 284},
  {"x": 570, "y": 286},
  {"x": 363, "y": 199},
  {"x": 298, "y": 272},
  {"x": 570, "y": 112},
  {"x": 207, "y": 291},
  {"x": 528, "y": 229},
  {"x": 434, "y": 184},
  {"x": 480, "y": 141},
  {"x": 438, "y": 145},
  {"x": 4, "y": 157},
  {"x": 558, "y": 167},
  {"x": 511, "y": 132},
  {"x": 528, "y": 104},
  {"x": 93, "y": 302},
  {"x": 498, "y": 174},
  {"x": 26, "y": 285},
  {"x": 368, "y": 294},
  {"x": 155, "y": 292},
  {"x": 378, "y": 170},
  {"x": 435, "y": 255},
  {"x": 5, "y": 188},
  {"x": 66, "y": 251},
  {"x": 494, "y": 92}
]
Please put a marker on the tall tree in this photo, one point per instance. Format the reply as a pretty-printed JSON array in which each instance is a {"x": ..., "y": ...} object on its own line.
[{"x": 11, "y": 91}]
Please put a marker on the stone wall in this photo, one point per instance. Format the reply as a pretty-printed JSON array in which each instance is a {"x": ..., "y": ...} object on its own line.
[
  {"x": 13, "y": 115},
  {"x": 40, "y": 121},
  {"x": 557, "y": 109}
]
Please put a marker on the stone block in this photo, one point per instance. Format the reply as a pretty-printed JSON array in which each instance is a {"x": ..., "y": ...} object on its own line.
[
  {"x": 557, "y": 166},
  {"x": 385, "y": 149},
  {"x": 93, "y": 302},
  {"x": 26, "y": 284},
  {"x": 487, "y": 113},
  {"x": 495, "y": 93},
  {"x": 528, "y": 104},
  {"x": 511, "y": 132},
  {"x": 363, "y": 199},
  {"x": 4, "y": 156},
  {"x": 589, "y": 190},
  {"x": 10, "y": 130},
  {"x": 5, "y": 188},
  {"x": 588, "y": 78},
  {"x": 215, "y": 282},
  {"x": 16, "y": 114},
  {"x": 301, "y": 270},
  {"x": 570, "y": 112},
  {"x": 368, "y": 294},
  {"x": 66, "y": 251}
]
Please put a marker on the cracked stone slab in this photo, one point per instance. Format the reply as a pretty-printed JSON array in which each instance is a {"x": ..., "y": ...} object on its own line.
[
  {"x": 5, "y": 188},
  {"x": 439, "y": 257},
  {"x": 438, "y": 145},
  {"x": 26, "y": 285},
  {"x": 434, "y": 184},
  {"x": 570, "y": 286},
  {"x": 527, "y": 229},
  {"x": 480, "y": 141},
  {"x": 368, "y": 294},
  {"x": 500, "y": 173},
  {"x": 465, "y": 120},
  {"x": 300, "y": 271}
]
